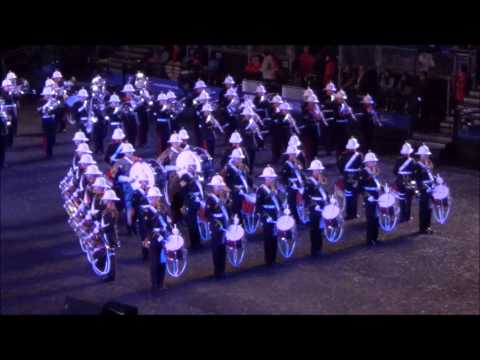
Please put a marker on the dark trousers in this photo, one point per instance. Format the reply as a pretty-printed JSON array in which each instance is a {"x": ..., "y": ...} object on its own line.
[
  {"x": 61, "y": 121},
  {"x": 276, "y": 148},
  {"x": 162, "y": 138},
  {"x": 193, "y": 232},
  {"x": 292, "y": 204},
  {"x": 209, "y": 145},
  {"x": 50, "y": 134},
  {"x": 372, "y": 221},
  {"x": 251, "y": 158},
  {"x": 405, "y": 203},
  {"x": 368, "y": 137},
  {"x": 328, "y": 139},
  {"x": 131, "y": 130},
  {"x": 99, "y": 133},
  {"x": 12, "y": 131},
  {"x": 3, "y": 145},
  {"x": 219, "y": 253},
  {"x": 157, "y": 268},
  {"x": 351, "y": 201},
  {"x": 269, "y": 243},
  {"x": 341, "y": 133},
  {"x": 425, "y": 213},
  {"x": 316, "y": 234},
  {"x": 142, "y": 128},
  {"x": 310, "y": 142}
]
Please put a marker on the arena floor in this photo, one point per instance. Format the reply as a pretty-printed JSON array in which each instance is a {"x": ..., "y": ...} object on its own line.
[{"x": 42, "y": 262}]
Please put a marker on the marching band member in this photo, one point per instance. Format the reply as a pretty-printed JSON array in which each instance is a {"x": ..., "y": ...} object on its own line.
[
  {"x": 228, "y": 85},
  {"x": 369, "y": 120},
  {"x": 109, "y": 221},
  {"x": 268, "y": 207},
  {"x": 184, "y": 137},
  {"x": 169, "y": 156},
  {"x": 139, "y": 199},
  {"x": 292, "y": 178},
  {"x": 295, "y": 142},
  {"x": 235, "y": 141},
  {"x": 425, "y": 181},
  {"x": 193, "y": 198},
  {"x": 81, "y": 149},
  {"x": 79, "y": 138},
  {"x": 47, "y": 113},
  {"x": 349, "y": 165},
  {"x": 230, "y": 111},
  {"x": 317, "y": 198},
  {"x": 156, "y": 229},
  {"x": 237, "y": 180},
  {"x": 113, "y": 111},
  {"x": 128, "y": 115},
  {"x": 99, "y": 130},
  {"x": 11, "y": 103},
  {"x": 80, "y": 110},
  {"x": 218, "y": 219},
  {"x": 163, "y": 115},
  {"x": 79, "y": 179},
  {"x": 313, "y": 122},
  {"x": 288, "y": 124},
  {"x": 251, "y": 134},
  {"x": 328, "y": 102},
  {"x": 370, "y": 185},
  {"x": 404, "y": 171},
  {"x": 276, "y": 130},
  {"x": 207, "y": 127},
  {"x": 261, "y": 102},
  {"x": 142, "y": 107},
  {"x": 3, "y": 136},
  {"x": 343, "y": 116},
  {"x": 99, "y": 187},
  {"x": 114, "y": 153},
  {"x": 198, "y": 89},
  {"x": 120, "y": 172}
]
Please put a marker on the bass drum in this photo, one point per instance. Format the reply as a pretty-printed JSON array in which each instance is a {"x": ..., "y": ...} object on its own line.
[
  {"x": 176, "y": 254},
  {"x": 332, "y": 222},
  {"x": 236, "y": 243},
  {"x": 441, "y": 203},
  {"x": 388, "y": 211},
  {"x": 249, "y": 219},
  {"x": 286, "y": 234}
]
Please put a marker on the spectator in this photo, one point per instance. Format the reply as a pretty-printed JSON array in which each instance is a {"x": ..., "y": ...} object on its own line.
[
  {"x": 306, "y": 62},
  {"x": 460, "y": 83},
  {"x": 269, "y": 68},
  {"x": 329, "y": 71},
  {"x": 425, "y": 62},
  {"x": 361, "y": 81},
  {"x": 387, "y": 89},
  {"x": 348, "y": 79},
  {"x": 253, "y": 70},
  {"x": 214, "y": 68}
]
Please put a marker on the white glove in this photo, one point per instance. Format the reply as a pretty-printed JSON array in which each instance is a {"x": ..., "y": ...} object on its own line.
[
  {"x": 371, "y": 199},
  {"x": 318, "y": 208}
]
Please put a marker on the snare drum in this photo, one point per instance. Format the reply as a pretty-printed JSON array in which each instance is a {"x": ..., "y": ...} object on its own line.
[{"x": 440, "y": 192}]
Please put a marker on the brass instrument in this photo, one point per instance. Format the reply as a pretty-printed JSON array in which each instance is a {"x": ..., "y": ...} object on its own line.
[
  {"x": 214, "y": 122},
  {"x": 254, "y": 128},
  {"x": 292, "y": 123},
  {"x": 318, "y": 115}
]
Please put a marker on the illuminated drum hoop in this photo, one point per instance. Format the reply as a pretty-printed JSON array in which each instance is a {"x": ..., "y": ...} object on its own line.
[
  {"x": 236, "y": 243},
  {"x": 332, "y": 223},
  {"x": 176, "y": 254},
  {"x": 388, "y": 211},
  {"x": 286, "y": 235},
  {"x": 441, "y": 203}
]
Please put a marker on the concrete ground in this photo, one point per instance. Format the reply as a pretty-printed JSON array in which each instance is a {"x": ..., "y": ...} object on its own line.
[{"x": 42, "y": 262}]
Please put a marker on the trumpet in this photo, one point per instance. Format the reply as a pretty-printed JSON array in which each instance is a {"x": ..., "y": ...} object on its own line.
[
  {"x": 292, "y": 123},
  {"x": 253, "y": 126},
  {"x": 214, "y": 122}
]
